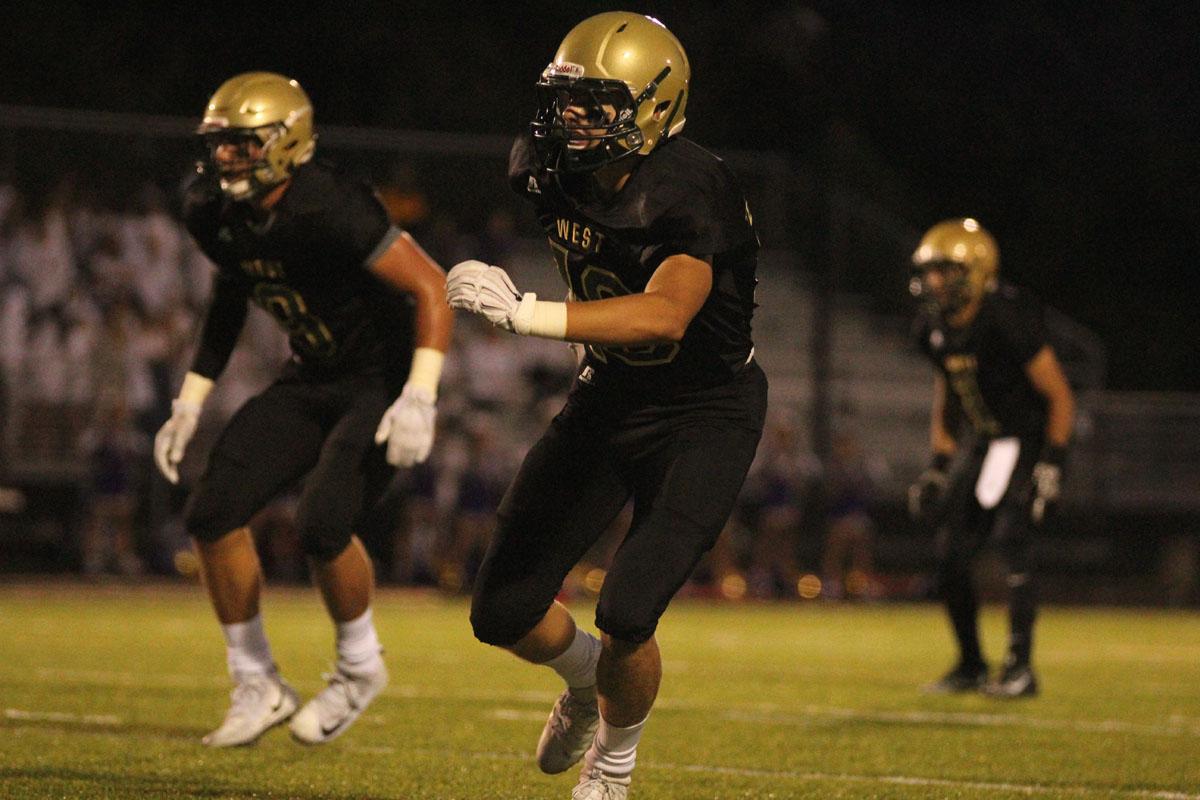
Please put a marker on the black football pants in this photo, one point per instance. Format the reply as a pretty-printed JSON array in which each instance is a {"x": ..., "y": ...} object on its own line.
[
  {"x": 683, "y": 466},
  {"x": 965, "y": 528}
]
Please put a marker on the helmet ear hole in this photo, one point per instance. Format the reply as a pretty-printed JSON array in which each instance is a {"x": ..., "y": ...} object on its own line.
[{"x": 661, "y": 108}]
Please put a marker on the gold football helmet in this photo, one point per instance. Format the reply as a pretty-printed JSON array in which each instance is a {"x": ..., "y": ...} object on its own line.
[
  {"x": 956, "y": 263},
  {"x": 258, "y": 128},
  {"x": 617, "y": 87}
]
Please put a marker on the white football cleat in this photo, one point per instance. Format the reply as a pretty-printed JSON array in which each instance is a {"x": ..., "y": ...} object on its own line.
[
  {"x": 335, "y": 707},
  {"x": 569, "y": 730},
  {"x": 257, "y": 704},
  {"x": 595, "y": 785}
]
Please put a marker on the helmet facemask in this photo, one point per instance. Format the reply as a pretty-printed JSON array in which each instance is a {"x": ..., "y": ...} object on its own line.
[
  {"x": 583, "y": 124},
  {"x": 942, "y": 285},
  {"x": 257, "y": 130},
  {"x": 245, "y": 159}
]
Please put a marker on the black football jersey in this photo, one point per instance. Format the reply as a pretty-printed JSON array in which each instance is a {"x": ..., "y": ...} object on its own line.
[
  {"x": 305, "y": 262},
  {"x": 680, "y": 199},
  {"x": 987, "y": 391}
]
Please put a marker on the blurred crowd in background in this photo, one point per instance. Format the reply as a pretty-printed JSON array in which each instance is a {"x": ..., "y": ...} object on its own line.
[{"x": 100, "y": 302}]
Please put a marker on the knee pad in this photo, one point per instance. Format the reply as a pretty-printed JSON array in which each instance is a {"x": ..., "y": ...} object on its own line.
[
  {"x": 629, "y": 624},
  {"x": 324, "y": 543},
  {"x": 207, "y": 520},
  {"x": 499, "y": 623}
]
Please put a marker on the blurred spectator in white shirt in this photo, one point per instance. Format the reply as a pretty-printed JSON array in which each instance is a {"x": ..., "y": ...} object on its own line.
[{"x": 41, "y": 257}]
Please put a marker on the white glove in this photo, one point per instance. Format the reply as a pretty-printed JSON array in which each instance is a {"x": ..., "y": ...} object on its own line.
[
  {"x": 926, "y": 493},
  {"x": 407, "y": 426},
  {"x": 488, "y": 291},
  {"x": 173, "y": 437},
  {"x": 1047, "y": 485}
]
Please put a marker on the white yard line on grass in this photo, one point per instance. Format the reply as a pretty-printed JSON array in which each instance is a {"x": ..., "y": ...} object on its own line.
[
  {"x": 945, "y": 783},
  {"x": 160, "y": 680},
  {"x": 516, "y": 714},
  {"x": 756, "y": 713},
  {"x": 21, "y": 715},
  {"x": 835, "y": 777},
  {"x": 804, "y": 716},
  {"x": 704, "y": 769}
]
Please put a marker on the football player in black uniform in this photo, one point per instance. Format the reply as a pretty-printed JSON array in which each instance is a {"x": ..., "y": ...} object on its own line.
[
  {"x": 653, "y": 238},
  {"x": 1002, "y": 416},
  {"x": 364, "y": 309}
]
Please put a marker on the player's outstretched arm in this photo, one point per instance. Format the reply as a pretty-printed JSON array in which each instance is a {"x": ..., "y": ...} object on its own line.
[
  {"x": 408, "y": 425},
  {"x": 661, "y": 313}
]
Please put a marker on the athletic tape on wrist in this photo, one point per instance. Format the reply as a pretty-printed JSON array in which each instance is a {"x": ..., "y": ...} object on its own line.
[
  {"x": 541, "y": 318},
  {"x": 195, "y": 389},
  {"x": 426, "y": 369}
]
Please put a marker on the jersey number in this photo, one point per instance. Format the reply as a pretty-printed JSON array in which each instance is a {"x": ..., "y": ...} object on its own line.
[
  {"x": 309, "y": 336},
  {"x": 596, "y": 283}
]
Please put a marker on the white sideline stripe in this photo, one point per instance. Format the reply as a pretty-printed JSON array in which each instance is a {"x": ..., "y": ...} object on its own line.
[
  {"x": 757, "y": 713},
  {"x": 60, "y": 716},
  {"x": 834, "y": 777}
]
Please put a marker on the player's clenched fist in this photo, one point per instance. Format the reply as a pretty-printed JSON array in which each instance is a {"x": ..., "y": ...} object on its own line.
[{"x": 488, "y": 291}]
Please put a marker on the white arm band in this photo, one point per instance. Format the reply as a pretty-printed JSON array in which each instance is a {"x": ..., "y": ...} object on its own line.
[
  {"x": 426, "y": 369},
  {"x": 542, "y": 318},
  {"x": 195, "y": 389}
]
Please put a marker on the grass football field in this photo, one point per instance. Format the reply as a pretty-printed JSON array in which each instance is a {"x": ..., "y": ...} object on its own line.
[{"x": 105, "y": 692}]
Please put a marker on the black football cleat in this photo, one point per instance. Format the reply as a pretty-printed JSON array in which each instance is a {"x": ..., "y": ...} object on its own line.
[{"x": 963, "y": 678}]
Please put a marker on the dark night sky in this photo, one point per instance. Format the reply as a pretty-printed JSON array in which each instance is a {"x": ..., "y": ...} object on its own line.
[{"x": 1071, "y": 134}]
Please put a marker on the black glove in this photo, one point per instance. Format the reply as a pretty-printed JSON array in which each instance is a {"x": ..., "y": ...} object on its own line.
[
  {"x": 925, "y": 494},
  {"x": 1047, "y": 482}
]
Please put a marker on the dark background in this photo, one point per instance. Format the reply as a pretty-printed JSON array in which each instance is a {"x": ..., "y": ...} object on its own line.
[{"x": 1069, "y": 130}]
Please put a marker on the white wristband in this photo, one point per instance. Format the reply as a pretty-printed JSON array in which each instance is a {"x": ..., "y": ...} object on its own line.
[
  {"x": 541, "y": 318},
  {"x": 195, "y": 389},
  {"x": 426, "y": 369}
]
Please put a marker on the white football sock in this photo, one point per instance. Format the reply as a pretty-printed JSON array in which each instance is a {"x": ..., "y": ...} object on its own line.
[
  {"x": 614, "y": 750},
  {"x": 577, "y": 664},
  {"x": 247, "y": 651},
  {"x": 358, "y": 646}
]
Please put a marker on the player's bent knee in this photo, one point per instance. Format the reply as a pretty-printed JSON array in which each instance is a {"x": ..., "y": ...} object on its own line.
[
  {"x": 628, "y": 632},
  {"x": 323, "y": 543},
  {"x": 628, "y": 625},
  {"x": 501, "y": 624},
  {"x": 207, "y": 521}
]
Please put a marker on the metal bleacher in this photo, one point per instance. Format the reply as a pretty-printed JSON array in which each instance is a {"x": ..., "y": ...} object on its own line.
[{"x": 879, "y": 384}]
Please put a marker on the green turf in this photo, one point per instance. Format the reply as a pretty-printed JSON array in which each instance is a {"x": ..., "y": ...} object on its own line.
[{"x": 105, "y": 693}]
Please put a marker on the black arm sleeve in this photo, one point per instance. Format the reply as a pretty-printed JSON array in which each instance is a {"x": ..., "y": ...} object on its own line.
[{"x": 222, "y": 326}]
